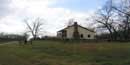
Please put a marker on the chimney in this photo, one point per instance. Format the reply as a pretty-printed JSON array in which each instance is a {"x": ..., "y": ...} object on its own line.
[
  {"x": 75, "y": 23},
  {"x": 76, "y": 32}
]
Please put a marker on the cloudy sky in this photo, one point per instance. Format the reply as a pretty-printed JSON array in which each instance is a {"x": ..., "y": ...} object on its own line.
[{"x": 56, "y": 13}]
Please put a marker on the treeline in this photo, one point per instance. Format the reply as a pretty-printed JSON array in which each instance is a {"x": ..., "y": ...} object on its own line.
[
  {"x": 11, "y": 37},
  {"x": 114, "y": 18}
]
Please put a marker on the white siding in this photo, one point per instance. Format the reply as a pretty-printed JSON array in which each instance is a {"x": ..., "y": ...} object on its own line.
[
  {"x": 70, "y": 31},
  {"x": 86, "y": 33}
]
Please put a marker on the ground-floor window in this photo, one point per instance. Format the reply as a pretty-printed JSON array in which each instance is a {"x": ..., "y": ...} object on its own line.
[
  {"x": 81, "y": 35},
  {"x": 89, "y": 35}
]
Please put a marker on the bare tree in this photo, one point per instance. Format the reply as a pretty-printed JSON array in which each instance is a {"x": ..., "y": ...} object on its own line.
[
  {"x": 35, "y": 27},
  {"x": 115, "y": 17},
  {"x": 105, "y": 19},
  {"x": 123, "y": 7},
  {"x": 123, "y": 10}
]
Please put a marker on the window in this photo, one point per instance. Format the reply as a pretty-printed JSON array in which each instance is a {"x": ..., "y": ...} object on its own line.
[
  {"x": 81, "y": 36},
  {"x": 89, "y": 36}
]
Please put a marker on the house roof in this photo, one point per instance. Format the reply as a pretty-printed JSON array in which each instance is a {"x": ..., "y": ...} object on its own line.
[{"x": 78, "y": 26}]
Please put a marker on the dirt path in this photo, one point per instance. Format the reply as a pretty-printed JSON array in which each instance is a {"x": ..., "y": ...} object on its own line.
[{"x": 12, "y": 42}]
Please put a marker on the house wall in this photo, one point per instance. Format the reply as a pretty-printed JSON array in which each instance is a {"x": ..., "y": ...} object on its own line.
[
  {"x": 81, "y": 30},
  {"x": 85, "y": 33},
  {"x": 70, "y": 31}
]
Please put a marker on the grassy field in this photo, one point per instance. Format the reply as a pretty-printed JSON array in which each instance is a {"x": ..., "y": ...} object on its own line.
[{"x": 59, "y": 53}]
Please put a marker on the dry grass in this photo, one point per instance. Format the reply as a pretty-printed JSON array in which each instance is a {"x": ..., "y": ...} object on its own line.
[{"x": 60, "y": 53}]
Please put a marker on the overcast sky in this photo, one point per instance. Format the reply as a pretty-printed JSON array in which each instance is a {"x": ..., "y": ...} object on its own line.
[{"x": 56, "y": 13}]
